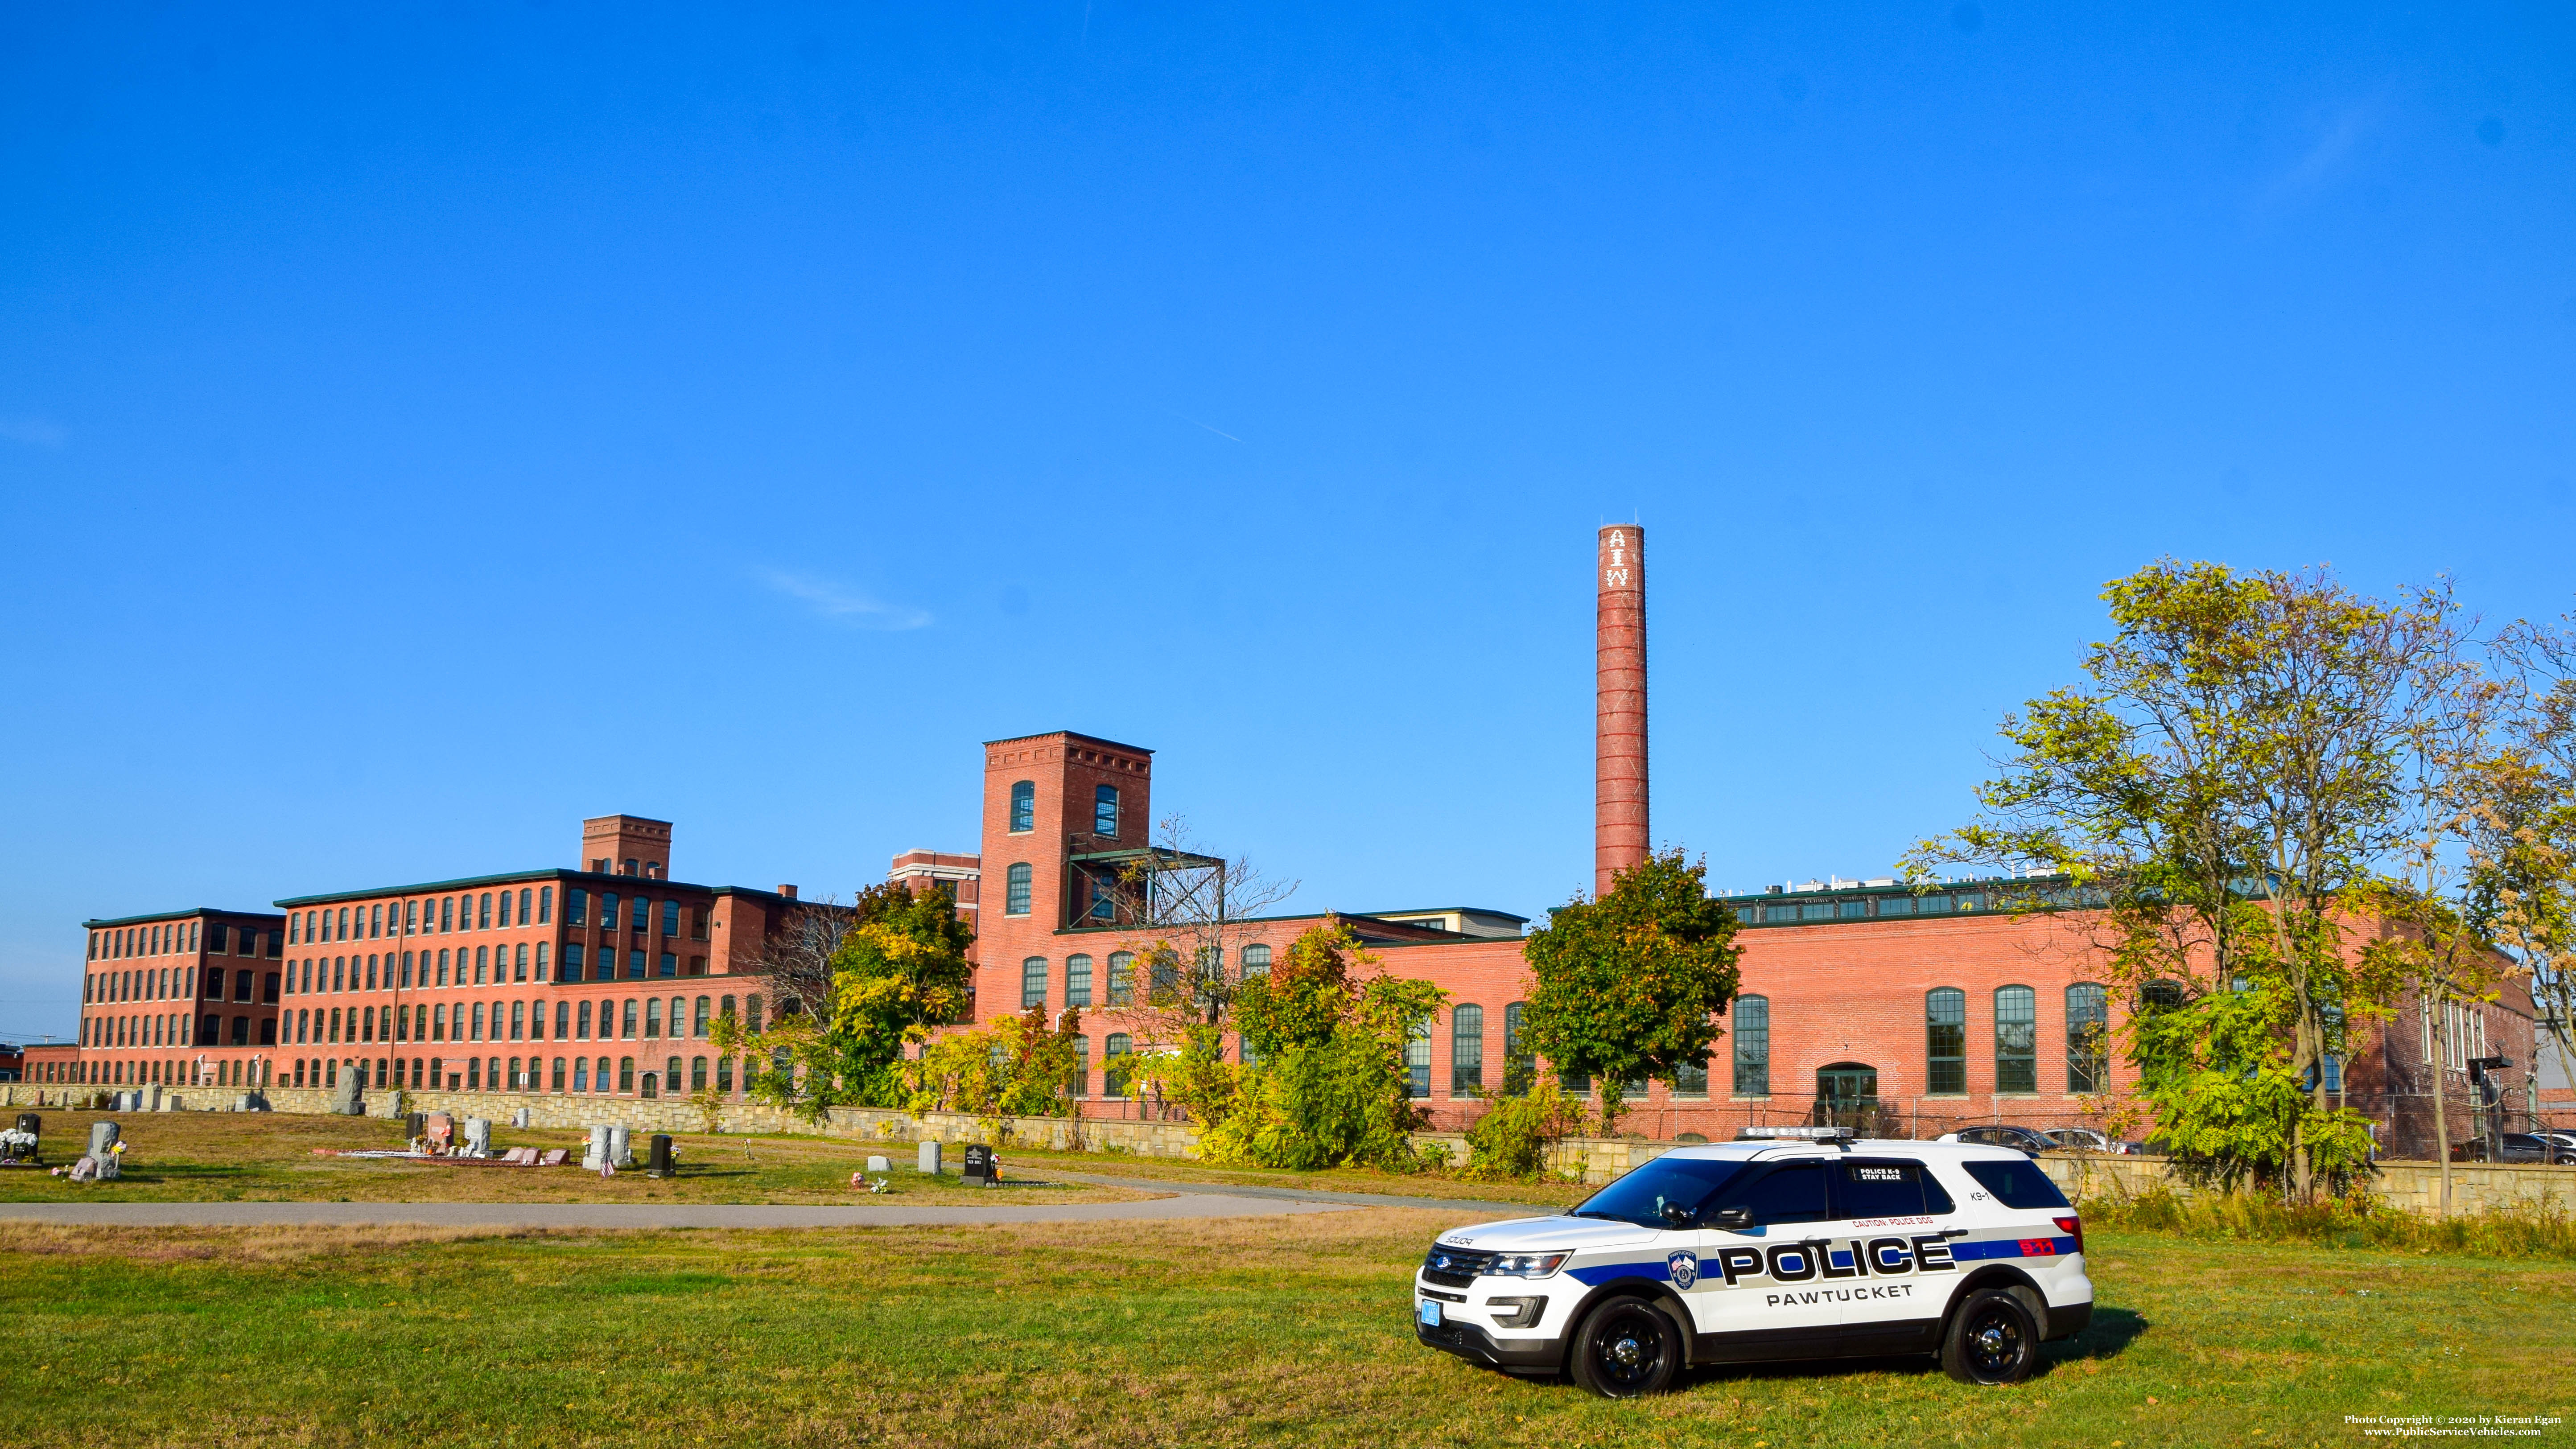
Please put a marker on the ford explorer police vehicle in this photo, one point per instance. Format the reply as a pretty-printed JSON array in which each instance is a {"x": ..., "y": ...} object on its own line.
[{"x": 1796, "y": 1244}]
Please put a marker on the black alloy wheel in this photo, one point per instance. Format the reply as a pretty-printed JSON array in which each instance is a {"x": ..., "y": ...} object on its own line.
[
  {"x": 1992, "y": 1340},
  {"x": 1626, "y": 1349}
]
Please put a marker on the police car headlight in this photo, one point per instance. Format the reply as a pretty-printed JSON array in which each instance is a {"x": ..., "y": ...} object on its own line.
[{"x": 1526, "y": 1265}]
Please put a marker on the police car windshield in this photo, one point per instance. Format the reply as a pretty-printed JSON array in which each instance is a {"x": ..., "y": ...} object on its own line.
[{"x": 1641, "y": 1196}]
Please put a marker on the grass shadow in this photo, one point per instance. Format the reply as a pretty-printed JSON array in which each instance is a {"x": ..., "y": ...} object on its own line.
[{"x": 2107, "y": 1336}]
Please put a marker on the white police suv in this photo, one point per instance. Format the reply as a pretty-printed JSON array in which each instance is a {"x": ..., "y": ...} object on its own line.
[{"x": 1796, "y": 1244}]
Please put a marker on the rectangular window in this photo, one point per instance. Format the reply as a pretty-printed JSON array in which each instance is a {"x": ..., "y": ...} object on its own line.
[
  {"x": 697, "y": 923},
  {"x": 571, "y": 962},
  {"x": 576, "y": 907},
  {"x": 608, "y": 910},
  {"x": 634, "y": 965},
  {"x": 670, "y": 964},
  {"x": 670, "y": 918}
]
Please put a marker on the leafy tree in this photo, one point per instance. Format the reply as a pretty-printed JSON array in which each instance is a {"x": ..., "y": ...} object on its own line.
[
  {"x": 1631, "y": 985},
  {"x": 900, "y": 973},
  {"x": 2227, "y": 789},
  {"x": 1018, "y": 1067},
  {"x": 897, "y": 970},
  {"x": 1331, "y": 1088}
]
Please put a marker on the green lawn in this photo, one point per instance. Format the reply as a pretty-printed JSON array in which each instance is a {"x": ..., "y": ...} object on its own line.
[
  {"x": 1250, "y": 1331},
  {"x": 270, "y": 1157}
]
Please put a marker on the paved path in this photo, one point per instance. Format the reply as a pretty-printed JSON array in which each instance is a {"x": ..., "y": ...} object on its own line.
[
  {"x": 1308, "y": 1195},
  {"x": 636, "y": 1215}
]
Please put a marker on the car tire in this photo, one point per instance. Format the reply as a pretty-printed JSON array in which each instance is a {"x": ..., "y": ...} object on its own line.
[
  {"x": 1992, "y": 1339},
  {"x": 1627, "y": 1348}
]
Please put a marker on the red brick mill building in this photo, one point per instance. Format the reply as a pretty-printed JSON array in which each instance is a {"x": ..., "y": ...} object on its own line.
[{"x": 1937, "y": 1008}]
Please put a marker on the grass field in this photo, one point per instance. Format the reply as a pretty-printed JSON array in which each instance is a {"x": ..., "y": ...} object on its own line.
[
  {"x": 269, "y": 1157},
  {"x": 1247, "y": 1331}
]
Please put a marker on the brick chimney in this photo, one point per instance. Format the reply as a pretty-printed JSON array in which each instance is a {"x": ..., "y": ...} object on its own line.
[{"x": 1619, "y": 838}]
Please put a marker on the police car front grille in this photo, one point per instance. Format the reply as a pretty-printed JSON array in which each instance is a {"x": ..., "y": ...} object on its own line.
[{"x": 1454, "y": 1267}]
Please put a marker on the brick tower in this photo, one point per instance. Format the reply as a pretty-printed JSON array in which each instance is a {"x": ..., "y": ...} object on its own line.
[{"x": 1619, "y": 723}]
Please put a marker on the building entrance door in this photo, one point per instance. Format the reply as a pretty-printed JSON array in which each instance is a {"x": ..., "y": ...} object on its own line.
[{"x": 1846, "y": 1095}]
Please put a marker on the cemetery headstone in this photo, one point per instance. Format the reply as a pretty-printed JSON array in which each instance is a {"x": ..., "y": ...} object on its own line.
[
  {"x": 979, "y": 1165},
  {"x": 478, "y": 1137},
  {"x": 519, "y": 1118},
  {"x": 103, "y": 1137},
  {"x": 34, "y": 1126},
  {"x": 621, "y": 1148},
  {"x": 595, "y": 1155},
  {"x": 660, "y": 1162},
  {"x": 346, "y": 1100},
  {"x": 441, "y": 1131},
  {"x": 415, "y": 1124},
  {"x": 880, "y": 1166},
  {"x": 929, "y": 1159}
]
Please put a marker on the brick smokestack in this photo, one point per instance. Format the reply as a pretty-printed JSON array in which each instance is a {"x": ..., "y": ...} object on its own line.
[{"x": 1619, "y": 724}]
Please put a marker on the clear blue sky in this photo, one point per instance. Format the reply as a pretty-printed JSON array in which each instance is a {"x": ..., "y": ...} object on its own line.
[{"x": 421, "y": 427}]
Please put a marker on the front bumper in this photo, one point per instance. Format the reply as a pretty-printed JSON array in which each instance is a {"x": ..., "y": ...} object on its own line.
[{"x": 1515, "y": 1355}]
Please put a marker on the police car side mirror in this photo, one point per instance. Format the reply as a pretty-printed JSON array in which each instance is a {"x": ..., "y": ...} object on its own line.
[
  {"x": 1734, "y": 1217},
  {"x": 1677, "y": 1216}
]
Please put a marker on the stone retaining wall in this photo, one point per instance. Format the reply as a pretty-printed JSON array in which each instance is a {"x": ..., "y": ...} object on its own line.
[{"x": 2413, "y": 1186}]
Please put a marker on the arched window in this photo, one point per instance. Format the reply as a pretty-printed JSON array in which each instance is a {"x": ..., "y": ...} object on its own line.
[
  {"x": 2016, "y": 1039},
  {"x": 1077, "y": 1083},
  {"x": 653, "y": 1018},
  {"x": 1077, "y": 980},
  {"x": 1417, "y": 1061},
  {"x": 1104, "y": 810},
  {"x": 1113, "y": 1054},
  {"x": 1945, "y": 1041},
  {"x": 1520, "y": 1068},
  {"x": 698, "y": 1020},
  {"x": 1256, "y": 960},
  {"x": 1033, "y": 983},
  {"x": 1752, "y": 1046},
  {"x": 1024, "y": 806},
  {"x": 2158, "y": 996},
  {"x": 1122, "y": 984},
  {"x": 751, "y": 1012},
  {"x": 2088, "y": 1034},
  {"x": 627, "y": 1027},
  {"x": 581, "y": 1074},
  {"x": 1466, "y": 1051},
  {"x": 697, "y": 1074},
  {"x": 1846, "y": 1094},
  {"x": 558, "y": 1079},
  {"x": 625, "y": 1074},
  {"x": 1015, "y": 890}
]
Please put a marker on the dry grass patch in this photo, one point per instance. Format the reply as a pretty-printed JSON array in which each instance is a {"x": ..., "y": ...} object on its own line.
[{"x": 292, "y": 1243}]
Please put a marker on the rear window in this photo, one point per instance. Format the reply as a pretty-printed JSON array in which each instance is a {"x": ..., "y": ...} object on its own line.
[
  {"x": 1867, "y": 1189},
  {"x": 2017, "y": 1184}
]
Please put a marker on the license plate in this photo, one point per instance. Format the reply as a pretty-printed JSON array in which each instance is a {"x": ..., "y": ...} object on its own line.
[{"x": 1430, "y": 1313}]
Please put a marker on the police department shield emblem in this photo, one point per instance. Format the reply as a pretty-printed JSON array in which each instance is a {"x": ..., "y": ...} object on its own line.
[{"x": 1685, "y": 1269}]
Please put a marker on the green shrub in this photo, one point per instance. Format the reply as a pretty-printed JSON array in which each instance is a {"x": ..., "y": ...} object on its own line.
[{"x": 1510, "y": 1142}]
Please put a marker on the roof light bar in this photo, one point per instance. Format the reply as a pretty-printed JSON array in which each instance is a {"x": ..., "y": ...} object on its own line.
[{"x": 1805, "y": 1134}]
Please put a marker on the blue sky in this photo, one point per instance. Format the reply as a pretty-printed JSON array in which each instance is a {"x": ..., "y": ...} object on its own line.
[{"x": 423, "y": 427}]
